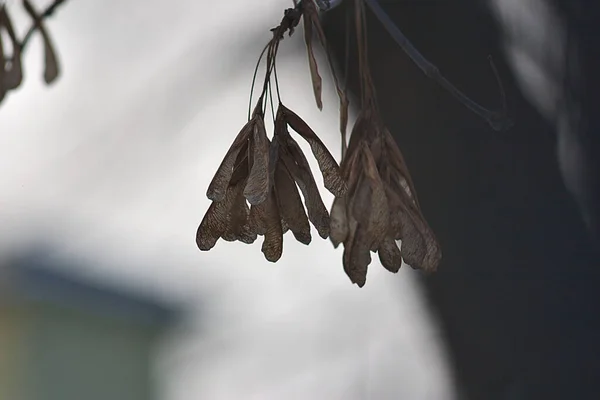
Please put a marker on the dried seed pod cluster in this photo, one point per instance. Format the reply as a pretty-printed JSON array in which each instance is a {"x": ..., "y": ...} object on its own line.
[
  {"x": 256, "y": 189},
  {"x": 267, "y": 174},
  {"x": 381, "y": 206}
]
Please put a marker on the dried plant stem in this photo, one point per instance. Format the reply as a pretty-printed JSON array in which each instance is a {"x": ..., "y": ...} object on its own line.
[{"x": 497, "y": 120}]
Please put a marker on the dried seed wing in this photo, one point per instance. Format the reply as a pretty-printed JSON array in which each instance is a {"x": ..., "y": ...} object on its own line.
[
  {"x": 51, "y": 69},
  {"x": 357, "y": 256},
  {"x": 257, "y": 219},
  {"x": 238, "y": 227},
  {"x": 215, "y": 221},
  {"x": 284, "y": 226},
  {"x": 403, "y": 227},
  {"x": 397, "y": 161},
  {"x": 312, "y": 63},
  {"x": 238, "y": 224},
  {"x": 420, "y": 248},
  {"x": 358, "y": 133},
  {"x": 330, "y": 169},
  {"x": 344, "y": 104},
  {"x": 314, "y": 17},
  {"x": 290, "y": 204},
  {"x": 236, "y": 216},
  {"x": 257, "y": 188},
  {"x": 338, "y": 226},
  {"x": 218, "y": 186},
  {"x": 272, "y": 246},
  {"x": 390, "y": 255},
  {"x": 317, "y": 213},
  {"x": 378, "y": 220},
  {"x": 414, "y": 248},
  {"x": 212, "y": 226},
  {"x": 226, "y": 218},
  {"x": 10, "y": 78}
]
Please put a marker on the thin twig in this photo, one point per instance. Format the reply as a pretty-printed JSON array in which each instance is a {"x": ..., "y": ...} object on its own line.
[{"x": 497, "y": 120}]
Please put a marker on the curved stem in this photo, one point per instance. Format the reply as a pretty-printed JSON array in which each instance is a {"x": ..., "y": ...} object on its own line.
[{"x": 497, "y": 120}]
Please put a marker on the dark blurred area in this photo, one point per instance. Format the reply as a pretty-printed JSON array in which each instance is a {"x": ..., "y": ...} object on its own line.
[{"x": 516, "y": 212}]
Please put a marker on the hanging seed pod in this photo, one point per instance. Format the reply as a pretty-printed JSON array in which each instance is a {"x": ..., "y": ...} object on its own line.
[{"x": 381, "y": 206}]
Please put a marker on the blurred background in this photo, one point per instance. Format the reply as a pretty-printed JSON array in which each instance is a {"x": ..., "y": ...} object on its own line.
[{"x": 103, "y": 292}]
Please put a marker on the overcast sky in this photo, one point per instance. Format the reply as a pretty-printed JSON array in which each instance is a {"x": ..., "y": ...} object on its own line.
[{"x": 110, "y": 166}]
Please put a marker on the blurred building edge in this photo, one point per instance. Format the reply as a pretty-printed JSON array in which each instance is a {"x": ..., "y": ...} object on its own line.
[{"x": 65, "y": 339}]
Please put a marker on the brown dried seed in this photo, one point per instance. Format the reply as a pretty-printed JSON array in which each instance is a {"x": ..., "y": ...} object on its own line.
[
  {"x": 358, "y": 131},
  {"x": 390, "y": 255},
  {"x": 356, "y": 256},
  {"x": 212, "y": 226},
  {"x": 218, "y": 186},
  {"x": 312, "y": 62},
  {"x": 272, "y": 246},
  {"x": 300, "y": 171},
  {"x": 238, "y": 227},
  {"x": 256, "y": 219},
  {"x": 420, "y": 248},
  {"x": 338, "y": 231},
  {"x": 332, "y": 178},
  {"x": 377, "y": 221},
  {"x": 290, "y": 204},
  {"x": 257, "y": 188},
  {"x": 217, "y": 219}
]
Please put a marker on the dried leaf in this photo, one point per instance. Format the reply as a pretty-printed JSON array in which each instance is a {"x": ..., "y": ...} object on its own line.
[
  {"x": 290, "y": 205},
  {"x": 332, "y": 178},
  {"x": 257, "y": 188},
  {"x": 312, "y": 62}
]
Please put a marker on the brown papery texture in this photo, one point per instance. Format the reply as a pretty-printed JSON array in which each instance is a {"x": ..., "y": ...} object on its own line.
[{"x": 381, "y": 206}]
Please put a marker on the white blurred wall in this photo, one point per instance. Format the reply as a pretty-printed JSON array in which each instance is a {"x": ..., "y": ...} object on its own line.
[{"x": 110, "y": 165}]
